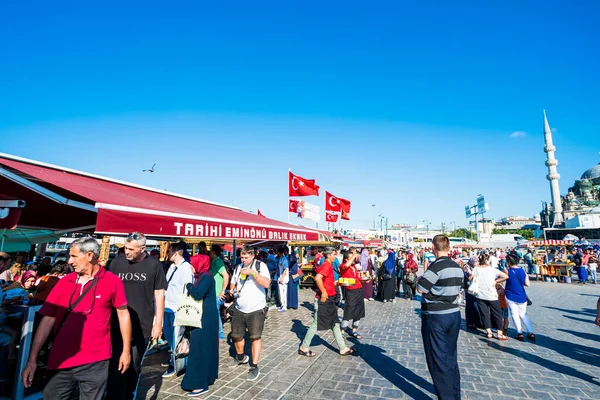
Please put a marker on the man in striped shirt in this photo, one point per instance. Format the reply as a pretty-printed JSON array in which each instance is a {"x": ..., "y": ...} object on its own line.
[{"x": 440, "y": 319}]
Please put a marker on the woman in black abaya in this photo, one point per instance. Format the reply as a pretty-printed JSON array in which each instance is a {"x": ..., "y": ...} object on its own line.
[
  {"x": 388, "y": 278},
  {"x": 203, "y": 361}
]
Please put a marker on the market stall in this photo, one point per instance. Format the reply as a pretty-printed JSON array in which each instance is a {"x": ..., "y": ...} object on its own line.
[
  {"x": 52, "y": 198},
  {"x": 547, "y": 267},
  {"x": 307, "y": 253}
]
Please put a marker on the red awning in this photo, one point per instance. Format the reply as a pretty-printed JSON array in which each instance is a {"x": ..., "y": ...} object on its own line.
[
  {"x": 59, "y": 198},
  {"x": 373, "y": 243}
]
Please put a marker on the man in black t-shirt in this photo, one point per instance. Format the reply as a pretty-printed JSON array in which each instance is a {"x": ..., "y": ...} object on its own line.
[{"x": 144, "y": 280}]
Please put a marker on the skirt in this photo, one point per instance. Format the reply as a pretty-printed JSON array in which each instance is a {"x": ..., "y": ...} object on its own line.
[{"x": 354, "y": 305}]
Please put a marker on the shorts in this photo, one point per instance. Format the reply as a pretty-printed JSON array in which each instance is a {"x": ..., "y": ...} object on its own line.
[
  {"x": 504, "y": 312},
  {"x": 254, "y": 322}
]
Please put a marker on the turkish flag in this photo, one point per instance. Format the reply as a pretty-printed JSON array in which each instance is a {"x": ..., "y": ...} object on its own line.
[
  {"x": 332, "y": 203},
  {"x": 259, "y": 213},
  {"x": 344, "y": 205},
  {"x": 345, "y": 215},
  {"x": 331, "y": 217},
  {"x": 293, "y": 207},
  {"x": 299, "y": 186}
]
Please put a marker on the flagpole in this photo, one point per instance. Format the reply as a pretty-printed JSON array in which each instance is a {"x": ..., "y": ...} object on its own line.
[{"x": 288, "y": 210}]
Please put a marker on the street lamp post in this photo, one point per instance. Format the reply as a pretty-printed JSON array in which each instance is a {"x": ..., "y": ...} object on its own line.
[
  {"x": 373, "y": 205},
  {"x": 426, "y": 225}
]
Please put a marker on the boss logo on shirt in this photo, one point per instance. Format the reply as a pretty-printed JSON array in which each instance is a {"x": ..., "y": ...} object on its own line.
[{"x": 132, "y": 276}]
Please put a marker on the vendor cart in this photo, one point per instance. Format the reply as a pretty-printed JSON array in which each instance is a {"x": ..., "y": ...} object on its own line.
[
  {"x": 547, "y": 268},
  {"x": 306, "y": 258}
]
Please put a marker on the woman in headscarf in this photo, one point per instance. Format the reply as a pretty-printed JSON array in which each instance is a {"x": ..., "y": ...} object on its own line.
[
  {"x": 203, "y": 360},
  {"x": 367, "y": 266},
  {"x": 354, "y": 303},
  {"x": 292, "y": 291},
  {"x": 388, "y": 283},
  {"x": 410, "y": 276}
]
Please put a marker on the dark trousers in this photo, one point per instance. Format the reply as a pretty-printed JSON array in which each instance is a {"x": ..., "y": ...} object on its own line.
[
  {"x": 122, "y": 386},
  {"x": 90, "y": 377},
  {"x": 491, "y": 315},
  {"x": 471, "y": 314},
  {"x": 440, "y": 337}
]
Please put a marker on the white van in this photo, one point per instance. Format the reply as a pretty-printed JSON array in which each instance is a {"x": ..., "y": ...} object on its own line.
[{"x": 508, "y": 237}]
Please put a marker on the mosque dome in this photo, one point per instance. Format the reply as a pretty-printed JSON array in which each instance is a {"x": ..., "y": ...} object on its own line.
[{"x": 592, "y": 174}]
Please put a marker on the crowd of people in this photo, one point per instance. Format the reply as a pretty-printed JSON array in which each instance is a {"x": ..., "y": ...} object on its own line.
[{"x": 97, "y": 324}]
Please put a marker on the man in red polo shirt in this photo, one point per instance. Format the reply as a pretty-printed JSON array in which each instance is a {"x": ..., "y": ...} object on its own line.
[
  {"x": 77, "y": 312},
  {"x": 325, "y": 316}
]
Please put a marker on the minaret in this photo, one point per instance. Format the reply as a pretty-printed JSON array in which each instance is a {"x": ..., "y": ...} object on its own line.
[{"x": 553, "y": 175}]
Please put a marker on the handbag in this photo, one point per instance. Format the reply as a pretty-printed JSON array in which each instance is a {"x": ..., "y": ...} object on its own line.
[
  {"x": 411, "y": 278},
  {"x": 182, "y": 349},
  {"x": 188, "y": 312},
  {"x": 474, "y": 287}
]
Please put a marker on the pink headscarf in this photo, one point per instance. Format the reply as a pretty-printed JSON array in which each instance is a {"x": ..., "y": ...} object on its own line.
[{"x": 27, "y": 275}]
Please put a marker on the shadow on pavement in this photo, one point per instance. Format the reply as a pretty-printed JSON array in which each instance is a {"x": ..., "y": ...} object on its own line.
[
  {"x": 584, "y": 311},
  {"x": 308, "y": 305},
  {"x": 300, "y": 330},
  {"x": 583, "y": 335},
  {"x": 589, "y": 321},
  {"x": 590, "y": 295},
  {"x": 562, "y": 348},
  {"x": 400, "y": 376}
]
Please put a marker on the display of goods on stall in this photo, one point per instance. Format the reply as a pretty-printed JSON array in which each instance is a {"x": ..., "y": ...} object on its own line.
[
  {"x": 347, "y": 282},
  {"x": 554, "y": 270},
  {"x": 365, "y": 276}
]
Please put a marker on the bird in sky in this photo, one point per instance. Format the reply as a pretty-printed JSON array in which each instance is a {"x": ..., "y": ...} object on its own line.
[{"x": 149, "y": 170}]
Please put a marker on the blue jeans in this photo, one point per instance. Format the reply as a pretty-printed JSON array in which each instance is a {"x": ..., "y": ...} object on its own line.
[
  {"x": 221, "y": 334},
  {"x": 169, "y": 330}
]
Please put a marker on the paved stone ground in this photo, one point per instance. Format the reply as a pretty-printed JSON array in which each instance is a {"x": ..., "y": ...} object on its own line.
[{"x": 564, "y": 363}]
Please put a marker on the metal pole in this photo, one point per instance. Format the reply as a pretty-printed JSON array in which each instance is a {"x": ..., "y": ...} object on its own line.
[{"x": 373, "y": 205}]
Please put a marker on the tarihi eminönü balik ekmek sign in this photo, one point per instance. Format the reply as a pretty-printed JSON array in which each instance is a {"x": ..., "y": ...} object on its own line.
[{"x": 119, "y": 222}]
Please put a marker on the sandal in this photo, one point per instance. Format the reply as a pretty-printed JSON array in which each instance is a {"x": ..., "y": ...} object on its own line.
[
  {"x": 308, "y": 353},
  {"x": 531, "y": 337},
  {"x": 356, "y": 335},
  {"x": 490, "y": 336},
  {"x": 520, "y": 337},
  {"x": 502, "y": 337},
  {"x": 350, "y": 352}
]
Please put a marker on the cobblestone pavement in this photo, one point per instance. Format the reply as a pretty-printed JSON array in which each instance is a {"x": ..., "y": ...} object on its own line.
[{"x": 564, "y": 363}]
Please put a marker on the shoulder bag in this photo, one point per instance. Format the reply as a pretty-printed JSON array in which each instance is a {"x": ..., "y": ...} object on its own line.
[
  {"x": 474, "y": 286},
  {"x": 71, "y": 308},
  {"x": 188, "y": 312}
]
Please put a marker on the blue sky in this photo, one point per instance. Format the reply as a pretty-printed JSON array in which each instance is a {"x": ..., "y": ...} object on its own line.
[{"x": 401, "y": 104}]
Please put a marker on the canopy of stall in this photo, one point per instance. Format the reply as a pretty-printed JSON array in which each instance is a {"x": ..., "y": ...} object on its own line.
[{"x": 58, "y": 198}]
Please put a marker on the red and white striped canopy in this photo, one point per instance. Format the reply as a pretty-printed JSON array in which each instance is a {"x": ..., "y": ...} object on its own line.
[{"x": 551, "y": 243}]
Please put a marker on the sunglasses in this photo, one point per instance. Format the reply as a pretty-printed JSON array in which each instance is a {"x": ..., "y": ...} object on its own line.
[{"x": 134, "y": 236}]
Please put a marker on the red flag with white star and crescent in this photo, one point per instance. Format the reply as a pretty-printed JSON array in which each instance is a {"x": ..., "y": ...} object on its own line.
[
  {"x": 293, "y": 206},
  {"x": 332, "y": 203},
  {"x": 299, "y": 186},
  {"x": 331, "y": 217}
]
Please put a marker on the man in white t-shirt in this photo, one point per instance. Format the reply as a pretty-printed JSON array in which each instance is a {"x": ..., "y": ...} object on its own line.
[
  {"x": 248, "y": 285},
  {"x": 494, "y": 261},
  {"x": 180, "y": 273}
]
